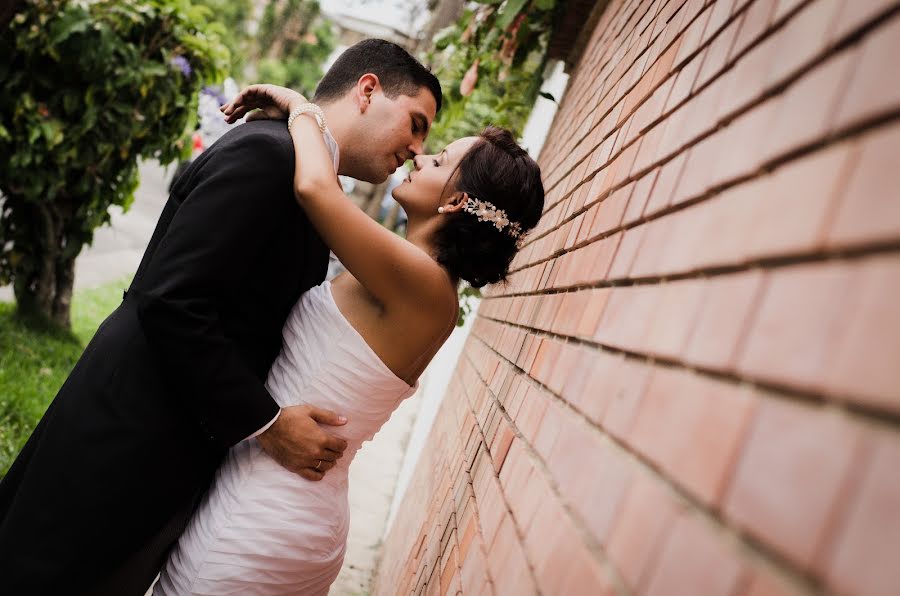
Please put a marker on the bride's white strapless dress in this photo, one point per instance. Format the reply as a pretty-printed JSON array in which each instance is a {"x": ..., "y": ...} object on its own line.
[{"x": 263, "y": 530}]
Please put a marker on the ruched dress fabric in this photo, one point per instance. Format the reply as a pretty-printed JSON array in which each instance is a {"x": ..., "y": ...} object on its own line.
[{"x": 262, "y": 530}]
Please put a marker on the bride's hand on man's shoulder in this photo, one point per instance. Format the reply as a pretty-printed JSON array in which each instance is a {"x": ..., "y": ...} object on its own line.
[{"x": 271, "y": 102}]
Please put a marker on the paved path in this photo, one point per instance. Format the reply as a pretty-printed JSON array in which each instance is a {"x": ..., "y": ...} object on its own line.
[{"x": 116, "y": 252}]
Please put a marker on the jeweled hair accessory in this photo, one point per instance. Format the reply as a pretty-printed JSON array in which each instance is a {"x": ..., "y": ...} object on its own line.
[{"x": 486, "y": 211}]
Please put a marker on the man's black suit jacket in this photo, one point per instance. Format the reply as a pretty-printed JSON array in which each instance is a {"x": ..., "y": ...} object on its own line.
[{"x": 171, "y": 380}]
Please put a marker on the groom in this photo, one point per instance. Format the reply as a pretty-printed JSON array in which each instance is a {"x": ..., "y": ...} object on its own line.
[{"x": 175, "y": 376}]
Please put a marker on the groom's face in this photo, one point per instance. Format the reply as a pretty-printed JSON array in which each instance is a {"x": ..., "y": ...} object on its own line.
[{"x": 392, "y": 131}]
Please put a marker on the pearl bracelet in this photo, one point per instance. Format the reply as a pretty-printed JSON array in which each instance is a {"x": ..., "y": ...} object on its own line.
[{"x": 308, "y": 108}]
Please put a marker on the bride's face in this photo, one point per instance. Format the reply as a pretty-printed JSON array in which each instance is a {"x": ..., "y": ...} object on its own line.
[{"x": 428, "y": 184}]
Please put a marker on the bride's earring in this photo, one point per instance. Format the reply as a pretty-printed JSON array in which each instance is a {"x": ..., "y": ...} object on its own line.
[{"x": 440, "y": 209}]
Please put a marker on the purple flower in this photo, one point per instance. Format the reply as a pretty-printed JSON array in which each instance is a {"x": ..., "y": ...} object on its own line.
[
  {"x": 215, "y": 93},
  {"x": 182, "y": 63}
]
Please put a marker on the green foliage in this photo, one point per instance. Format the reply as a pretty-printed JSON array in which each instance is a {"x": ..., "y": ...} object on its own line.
[
  {"x": 468, "y": 298},
  {"x": 34, "y": 363},
  {"x": 507, "y": 44},
  {"x": 89, "y": 87},
  {"x": 228, "y": 20},
  {"x": 293, "y": 41}
]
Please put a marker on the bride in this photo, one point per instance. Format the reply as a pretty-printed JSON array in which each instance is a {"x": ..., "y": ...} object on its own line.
[{"x": 356, "y": 344}]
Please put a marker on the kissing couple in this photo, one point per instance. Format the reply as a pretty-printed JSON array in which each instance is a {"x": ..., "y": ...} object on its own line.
[{"x": 206, "y": 432}]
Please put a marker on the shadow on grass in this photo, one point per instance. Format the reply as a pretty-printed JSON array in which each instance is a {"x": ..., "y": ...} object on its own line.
[{"x": 36, "y": 358}]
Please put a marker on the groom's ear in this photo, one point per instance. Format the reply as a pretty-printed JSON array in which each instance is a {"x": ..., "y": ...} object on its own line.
[{"x": 365, "y": 87}]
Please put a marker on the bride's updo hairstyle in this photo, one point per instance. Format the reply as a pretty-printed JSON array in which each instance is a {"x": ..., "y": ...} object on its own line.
[{"x": 496, "y": 170}]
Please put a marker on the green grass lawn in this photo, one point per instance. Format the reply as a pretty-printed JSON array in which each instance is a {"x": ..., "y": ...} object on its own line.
[{"x": 35, "y": 363}]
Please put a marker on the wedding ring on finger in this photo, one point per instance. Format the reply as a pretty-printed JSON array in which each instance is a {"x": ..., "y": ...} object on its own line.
[{"x": 318, "y": 464}]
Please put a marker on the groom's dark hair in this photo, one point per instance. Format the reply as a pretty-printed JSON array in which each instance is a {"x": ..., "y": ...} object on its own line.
[{"x": 398, "y": 72}]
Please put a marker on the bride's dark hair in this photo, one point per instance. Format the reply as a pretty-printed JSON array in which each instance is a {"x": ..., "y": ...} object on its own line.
[{"x": 495, "y": 169}]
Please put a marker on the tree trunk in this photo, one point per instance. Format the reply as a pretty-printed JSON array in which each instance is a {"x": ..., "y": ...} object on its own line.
[{"x": 43, "y": 287}]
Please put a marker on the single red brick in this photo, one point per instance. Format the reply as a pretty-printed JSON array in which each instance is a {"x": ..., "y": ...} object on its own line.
[
  {"x": 627, "y": 316},
  {"x": 611, "y": 210},
  {"x": 502, "y": 442},
  {"x": 869, "y": 210},
  {"x": 725, "y": 309},
  {"x": 692, "y": 38},
  {"x": 510, "y": 567},
  {"x": 869, "y": 91},
  {"x": 863, "y": 556},
  {"x": 806, "y": 111},
  {"x": 653, "y": 247},
  {"x": 723, "y": 238},
  {"x": 666, "y": 182},
  {"x": 755, "y": 24},
  {"x": 699, "y": 119},
  {"x": 685, "y": 239},
  {"x": 718, "y": 52},
  {"x": 700, "y": 168},
  {"x": 624, "y": 257},
  {"x": 694, "y": 561},
  {"x": 450, "y": 573},
  {"x": 530, "y": 414},
  {"x": 804, "y": 37},
  {"x": 551, "y": 543},
  {"x": 674, "y": 319},
  {"x": 623, "y": 391},
  {"x": 599, "y": 258},
  {"x": 586, "y": 227},
  {"x": 855, "y": 14},
  {"x": 791, "y": 475},
  {"x": 584, "y": 389},
  {"x": 474, "y": 573},
  {"x": 765, "y": 583},
  {"x": 692, "y": 427},
  {"x": 552, "y": 425},
  {"x": 745, "y": 82},
  {"x": 569, "y": 315},
  {"x": 517, "y": 468},
  {"x": 647, "y": 516},
  {"x": 639, "y": 197},
  {"x": 684, "y": 82},
  {"x": 793, "y": 206},
  {"x": 593, "y": 311},
  {"x": 651, "y": 151},
  {"x": 863, "y": 367},
  {"x": 583, "y": 576},
  {"x": 747, "y": 142},
  {"x": 594, "y": 479},
  {"x": 800, "y": 317}
]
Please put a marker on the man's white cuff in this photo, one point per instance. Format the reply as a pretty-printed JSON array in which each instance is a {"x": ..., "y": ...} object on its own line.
[{"x": 266, "y": 427}]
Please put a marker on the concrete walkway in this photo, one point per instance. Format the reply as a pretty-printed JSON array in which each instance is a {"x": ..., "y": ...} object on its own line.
[{"x": 116, "y": 252}]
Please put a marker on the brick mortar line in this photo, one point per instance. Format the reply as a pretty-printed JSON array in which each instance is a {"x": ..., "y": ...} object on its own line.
[
  {"x": 846, "y": 134},
  {"x": 611, "y": 108},
  {"x": 675, "y": 69},
  {"x": 849, "y": 39},
  {"x": 864, "y": 414},
  {"x": 756, "y": 549},
  {"x": 587, "y": 539},
  {"x": 519, "y": 533},
  {"x": 851, "y": 253},
  {"x": 634, "y": 61}
]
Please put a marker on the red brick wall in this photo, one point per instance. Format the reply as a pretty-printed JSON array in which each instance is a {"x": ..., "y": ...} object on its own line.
[{"x": 692, "y": 383}]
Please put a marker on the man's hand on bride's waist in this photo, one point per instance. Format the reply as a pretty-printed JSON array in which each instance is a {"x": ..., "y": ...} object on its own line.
[{"x": 297, "y": 442}]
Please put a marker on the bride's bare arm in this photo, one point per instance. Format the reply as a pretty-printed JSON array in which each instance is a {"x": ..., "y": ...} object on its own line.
[{"x": 392, "y": 269}]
